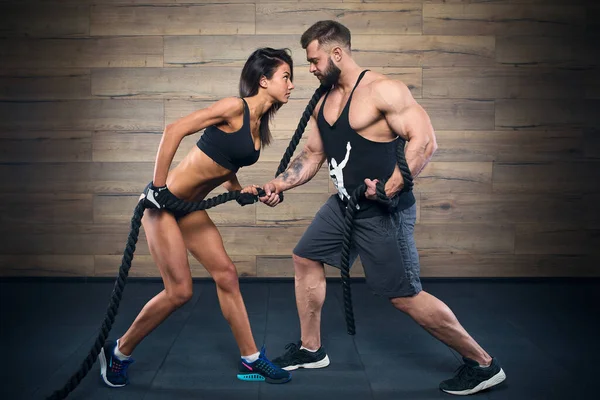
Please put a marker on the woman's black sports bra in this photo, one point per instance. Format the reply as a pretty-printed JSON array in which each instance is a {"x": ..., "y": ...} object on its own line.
[{"x": 230, "y": 150}]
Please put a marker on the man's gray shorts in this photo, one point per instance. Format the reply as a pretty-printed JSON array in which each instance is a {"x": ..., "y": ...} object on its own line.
[{"x": 386, "y": 246}]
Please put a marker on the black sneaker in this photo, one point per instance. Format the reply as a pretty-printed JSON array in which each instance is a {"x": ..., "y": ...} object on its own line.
[
  {"x": 296, "y": 358},
  {"x": 112, "y": 370},
  {"x": 262, "y": 370},
  {"x": 471, "y": 378}
]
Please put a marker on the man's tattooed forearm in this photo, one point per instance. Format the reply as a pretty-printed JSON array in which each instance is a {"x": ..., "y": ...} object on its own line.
[{"x": 295, "y": 168}]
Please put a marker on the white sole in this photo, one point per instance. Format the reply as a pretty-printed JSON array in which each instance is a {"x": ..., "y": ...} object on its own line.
[
  {"x": 102, "y": 359},
  {"x": 493, "y": 381},
  {"x": 317, "y": 364}
]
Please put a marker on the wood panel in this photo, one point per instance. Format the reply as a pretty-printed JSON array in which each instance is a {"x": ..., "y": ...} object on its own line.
[
  {"x": 360, "y": 18},
  {"x": 82, "y": 53},
  {"x": 175, "y": 109},
  {"x": 46, "y": 265},
  {"x": 149, "y": 2},
  {"x": 68, "y": 239},
  {"x": 45, "y": 208},
  {"x": 547, "y": 114},
  {"x": 44, "y": 20},
  {"x": 511, "y": 87},
  {"x": 411, "y": 77},
  {"x": 425, "y": 50},
  {"x": 460, "y": 113},
  {"x": 544, "y": 238},
  {"x": 591, "y": 211},
  {"x": 114, "y": 208},
  {"x": 565, "y": 51},
  {"x": 83, "y": 115},
  {"x": 296, "y": 209},
  {"x": 125, "y": 146},
  {"x": 285, "y": 122},
  {"x": 499, "y": 19},
  {"x": 149, "y": 83},
  {"x": 184, "y": 51},
  {"x": 455, "y": 177},
  {"x": 45, "y": 146},
  {"x": 144, "y": 266},
  {"x": 592, "y": 143},
  {"x": 46, "y": 178},
  {"x": 297, "y": 1},
  {"x": 260, "y": 241},
  {"x": 592, "y": 84},
  {"x": 505, "y": 266},
  {"x": 458, "y": 208},
  {"x": 593, "y": 20},
  {"x": 45, "y": 84},
  {"x": 577, "y": 2},
  {"x": 510, "y": 146},
  {"x": 466, "y": 238},
  {"x": 503, "y": 82},
  {"x": 545, "y": 178},
  {"x": 275, "y": 151},
  {"x": 119, "y": 208},
  {"x": 197, "y": 19},
  {"x": 120, "y": 177}
]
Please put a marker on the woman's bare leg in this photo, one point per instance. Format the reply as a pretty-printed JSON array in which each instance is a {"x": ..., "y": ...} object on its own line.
[
  {"x": 168, "y": 250},
  {"x": 205, "y": 243}
]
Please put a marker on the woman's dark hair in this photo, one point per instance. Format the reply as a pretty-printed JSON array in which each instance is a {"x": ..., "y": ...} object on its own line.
[{"x": 264, "y": 62}]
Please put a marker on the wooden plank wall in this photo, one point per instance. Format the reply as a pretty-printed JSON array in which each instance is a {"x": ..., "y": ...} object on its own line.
[{"x": 511, "y": 86}]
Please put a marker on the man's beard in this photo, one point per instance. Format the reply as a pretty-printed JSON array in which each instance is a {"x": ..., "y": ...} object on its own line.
[{"x": 331, "y": 74}]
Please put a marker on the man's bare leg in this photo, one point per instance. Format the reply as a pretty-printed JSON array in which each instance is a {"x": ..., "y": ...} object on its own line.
[
  {"x": 437, "y": 319},
  {"x": 310, "y": 296},
  {"x": 310, "y": 288},
  {"x": 480, "y": 371}
]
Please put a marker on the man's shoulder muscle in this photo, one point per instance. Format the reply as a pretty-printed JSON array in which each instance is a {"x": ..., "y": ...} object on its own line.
[{"x": 386, "y": 92}]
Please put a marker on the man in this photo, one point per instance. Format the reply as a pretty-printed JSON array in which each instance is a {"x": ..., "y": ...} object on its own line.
[{"x": 356, "y": 128}]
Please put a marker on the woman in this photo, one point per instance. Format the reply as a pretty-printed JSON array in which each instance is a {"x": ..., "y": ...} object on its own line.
[{"x": 236, "y": 129}]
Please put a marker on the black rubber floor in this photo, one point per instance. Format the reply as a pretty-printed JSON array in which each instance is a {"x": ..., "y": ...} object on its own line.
[{"x": 545, "y": 334}]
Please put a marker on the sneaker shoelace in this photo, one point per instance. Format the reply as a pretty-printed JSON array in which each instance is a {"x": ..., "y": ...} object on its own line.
[
  {"x": 291, "y": 349},
  {"x": 269, "y": 367},
  {"x": 465, "y": 371},
  {"x": 120, "y": 367}
]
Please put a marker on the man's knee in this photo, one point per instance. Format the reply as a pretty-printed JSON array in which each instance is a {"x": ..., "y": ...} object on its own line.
[
  {"x": 425, "y": 309},
  {"x": 404, "y": 304},
  {"x": 308, "y": 270},
  {"x": 305, "y": 265},
  {"x": 409, "y": 303}
]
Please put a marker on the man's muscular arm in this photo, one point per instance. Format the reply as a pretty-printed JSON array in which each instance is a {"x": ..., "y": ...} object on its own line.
[
  {"x": 409, "y": 121},
  {"x": 302, "y": 168}
]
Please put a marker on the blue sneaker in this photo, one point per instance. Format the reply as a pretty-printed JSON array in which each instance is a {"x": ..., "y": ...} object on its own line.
[
  {"x": 113, "y": 370},
  {"x": 262, "y": 370}
]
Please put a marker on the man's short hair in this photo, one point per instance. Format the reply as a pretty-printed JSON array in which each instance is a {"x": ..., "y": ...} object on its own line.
[{"x": 326, "y": 33}]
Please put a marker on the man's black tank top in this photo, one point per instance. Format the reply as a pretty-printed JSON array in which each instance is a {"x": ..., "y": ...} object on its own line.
[
  {"x": 230, "y": 150},
  {"x": 353, "y": 158}
]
